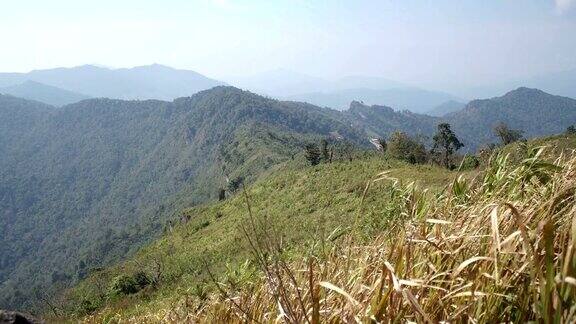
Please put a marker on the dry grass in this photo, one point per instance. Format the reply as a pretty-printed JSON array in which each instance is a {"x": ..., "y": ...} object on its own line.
[{"x": 499, "y": 248}]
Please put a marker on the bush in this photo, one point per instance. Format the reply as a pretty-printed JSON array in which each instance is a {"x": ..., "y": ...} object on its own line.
[
  {"x": 403, "y": 147},
  {"x": 142, "y": 279},
  {"x": 87, "y": 307},
  {"x": 470, "y": 162},
  {"x": 123, "y": 285}
]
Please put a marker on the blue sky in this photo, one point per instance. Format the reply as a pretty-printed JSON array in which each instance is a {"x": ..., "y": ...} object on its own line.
[{"x": 424, "y": 42}]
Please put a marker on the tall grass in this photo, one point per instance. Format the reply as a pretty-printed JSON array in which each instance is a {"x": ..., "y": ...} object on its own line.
[{"x": 497, "y": 248}]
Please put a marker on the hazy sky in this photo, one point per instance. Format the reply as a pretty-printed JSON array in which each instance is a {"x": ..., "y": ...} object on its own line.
[{"x": 424, "y": 42}]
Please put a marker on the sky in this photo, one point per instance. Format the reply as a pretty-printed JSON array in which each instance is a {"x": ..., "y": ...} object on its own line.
[{"x": 436, "y": 42}]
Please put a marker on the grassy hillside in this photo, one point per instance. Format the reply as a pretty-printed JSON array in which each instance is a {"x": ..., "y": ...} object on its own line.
[
  {"x": 484, "y": 247},
  {"x": 303, "y": 206}
]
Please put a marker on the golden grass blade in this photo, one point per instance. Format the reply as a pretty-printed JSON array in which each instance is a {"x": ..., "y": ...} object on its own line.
[
  {"x": 438, "y": 221},
  {"x": 339, "y": 290},
  {"x": 466, "y": 263}
]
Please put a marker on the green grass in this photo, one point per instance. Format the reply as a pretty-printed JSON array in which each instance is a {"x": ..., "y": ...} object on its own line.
[{"x": 304, "y": 206}]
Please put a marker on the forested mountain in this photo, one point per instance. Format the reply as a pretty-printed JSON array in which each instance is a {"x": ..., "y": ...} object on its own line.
[
  {"x": 380, "y": 121},
  {"x": 142, "y": 82},
  {"x": 532, "y": 111},
  {"x": 406, "y": 98},
  {"x": 33, "y": 90},
  {"x": 87, "y": 183}
]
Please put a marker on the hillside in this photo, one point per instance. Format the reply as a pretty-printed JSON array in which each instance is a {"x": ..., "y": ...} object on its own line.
[
  {"x": 32, "y": 90},
  {"x": 103, "y": 176},
  {"x": 381, "y": 121},
  {"x": 142, "y": 82},
  {"x": 393, "y": 223},
  {"x": 446, "y": 108},
  {"x": 301, "y": 204},
  {"x": 533, "y": 111}
]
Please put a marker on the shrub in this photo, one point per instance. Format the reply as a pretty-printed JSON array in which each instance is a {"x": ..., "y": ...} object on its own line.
[
  {"x": 312, "y": 153},
  {"x": 123, "y": 285},
  {"x": 142, "y": 279},
  {"x": 470, "y": 162},
  {"x": 403, "y": 147}
]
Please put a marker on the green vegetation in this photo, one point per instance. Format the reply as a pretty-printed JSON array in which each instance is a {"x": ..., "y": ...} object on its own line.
[
  {"x": 507, "y": 135},
  {"x": 445, "y": 145},
  {"x": 403, "y": 147},
  {"x": 303, "y": 206},
  {"x": 326, "y": 232},
  {"x": 86, "y": 185},
  {"x": 531, "y": 111},
  {"x": 106, "y": 176},
  {"x": 497, "y": 248}
]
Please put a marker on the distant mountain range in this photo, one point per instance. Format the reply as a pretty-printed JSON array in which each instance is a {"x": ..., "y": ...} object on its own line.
[
  {"x": 412, "y": 99},
  {"x": 61, "y": 86},
  {"x": 560, "y": 83},
  {"x": 289, "y": 85},
  {"x": 143, "y": 82},
  {"x": 33, "y": 90}
]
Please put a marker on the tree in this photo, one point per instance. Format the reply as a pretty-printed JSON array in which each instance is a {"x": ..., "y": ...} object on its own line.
[
  {"x": 506, "y": 134},
  {"x": 221, "y": 194},
  {"x": 445, "y": 144},
  {"x": 312, "y": 153},
  {"x": 383, "y": 144},
  {"x": 403, "y": 147},
  {"x": 348, "y": 150},
  {"x": 571, "y": 130},
  {"x": 235, "y": 183},
  {"x": 325, "y": 151}
]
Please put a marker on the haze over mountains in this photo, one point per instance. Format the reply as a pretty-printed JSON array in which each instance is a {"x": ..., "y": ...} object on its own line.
[
  {"x": 33, "y": 90},
  {"x": 142, "y": 82},
  {"x": 62, "y": 86}
]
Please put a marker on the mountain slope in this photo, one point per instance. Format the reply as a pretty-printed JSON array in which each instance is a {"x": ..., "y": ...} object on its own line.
[
  {"x": 301, "y": 203},
  {"x": 446, "y": 108},
  {"x": 143, "y": 82},
  {"x": 313, "y": 220},
  {"x": 44, "y": 93},
  {"x": 104, "y": 175},
  {"x": 381, "y": 121},
  {"x": 533, "y": 111}
]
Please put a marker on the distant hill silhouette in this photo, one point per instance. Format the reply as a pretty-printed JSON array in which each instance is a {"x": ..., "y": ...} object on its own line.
[
  {"x": 33, "y": 90},
  {"x": 143, "y": 82},
  {"x": 413, "y": 99}
]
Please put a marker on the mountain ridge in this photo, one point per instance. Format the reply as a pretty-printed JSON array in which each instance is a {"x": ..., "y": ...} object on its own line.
[{"x": 142, "y": 82}]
